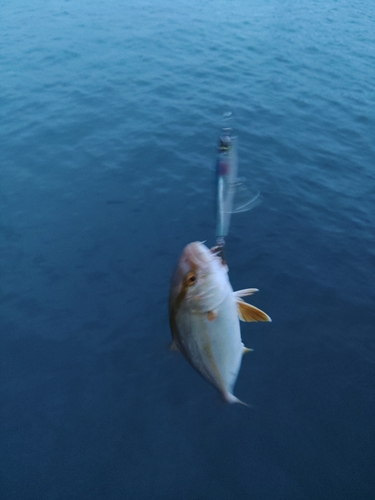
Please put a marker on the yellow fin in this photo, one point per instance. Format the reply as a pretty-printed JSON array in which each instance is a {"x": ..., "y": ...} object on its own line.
[{"x": 247, "y": 312}]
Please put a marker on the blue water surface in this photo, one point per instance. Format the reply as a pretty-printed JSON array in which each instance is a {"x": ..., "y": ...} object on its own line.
[{"x": 110, "y": 114}]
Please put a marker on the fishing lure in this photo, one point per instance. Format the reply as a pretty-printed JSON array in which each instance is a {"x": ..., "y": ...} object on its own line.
[{"x": 232, "y": 196}]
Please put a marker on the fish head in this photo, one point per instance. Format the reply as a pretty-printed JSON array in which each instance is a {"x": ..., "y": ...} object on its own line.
[{"x": 200, "y": 281}]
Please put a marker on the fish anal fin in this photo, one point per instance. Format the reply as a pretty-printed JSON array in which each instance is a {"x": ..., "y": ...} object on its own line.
[
  {"x": 247, "y": 312},
  {"x": 246, "y": 349}
]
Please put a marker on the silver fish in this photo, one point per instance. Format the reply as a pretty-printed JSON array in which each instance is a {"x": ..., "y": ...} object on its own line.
[{"x": 204, "y": 317}]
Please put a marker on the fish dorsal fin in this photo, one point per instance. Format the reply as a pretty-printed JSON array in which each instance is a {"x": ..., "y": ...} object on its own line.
[{"x": 247, "y": 312}]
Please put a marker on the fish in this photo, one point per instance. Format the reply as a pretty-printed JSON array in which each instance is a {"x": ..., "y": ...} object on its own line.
[{"x": 205, "y": 314}]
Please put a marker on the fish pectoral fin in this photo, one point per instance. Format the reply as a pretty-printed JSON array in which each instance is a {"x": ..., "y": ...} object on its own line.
[
  {"x": 173, "y": 346},
  {"x": 247, "y": 312},
  {"x": 245, "y": 292},
  {"x": 211, "y": 315}
]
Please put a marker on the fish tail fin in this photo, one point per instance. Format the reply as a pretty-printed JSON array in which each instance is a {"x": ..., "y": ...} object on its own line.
[{"x": 231, "y": 398}]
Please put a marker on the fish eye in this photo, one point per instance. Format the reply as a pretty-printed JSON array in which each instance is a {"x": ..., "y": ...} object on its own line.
[{"x": 191, "y": 279}]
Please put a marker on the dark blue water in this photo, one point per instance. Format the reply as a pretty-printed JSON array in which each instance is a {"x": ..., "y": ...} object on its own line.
[{"x": 110, "y": 113}]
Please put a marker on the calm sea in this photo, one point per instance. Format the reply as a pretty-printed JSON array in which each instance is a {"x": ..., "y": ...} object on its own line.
[{"x": 110, "y": 111}]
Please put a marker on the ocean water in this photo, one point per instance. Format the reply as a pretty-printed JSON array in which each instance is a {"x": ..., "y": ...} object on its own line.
[{"x": 110, "y": 115}]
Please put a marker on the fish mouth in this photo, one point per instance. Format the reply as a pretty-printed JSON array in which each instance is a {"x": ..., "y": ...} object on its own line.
[{"x": 198, "y": 255}]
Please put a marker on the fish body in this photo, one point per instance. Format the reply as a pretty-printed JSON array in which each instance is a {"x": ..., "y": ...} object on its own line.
[{"x": 204, "y": 317}]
